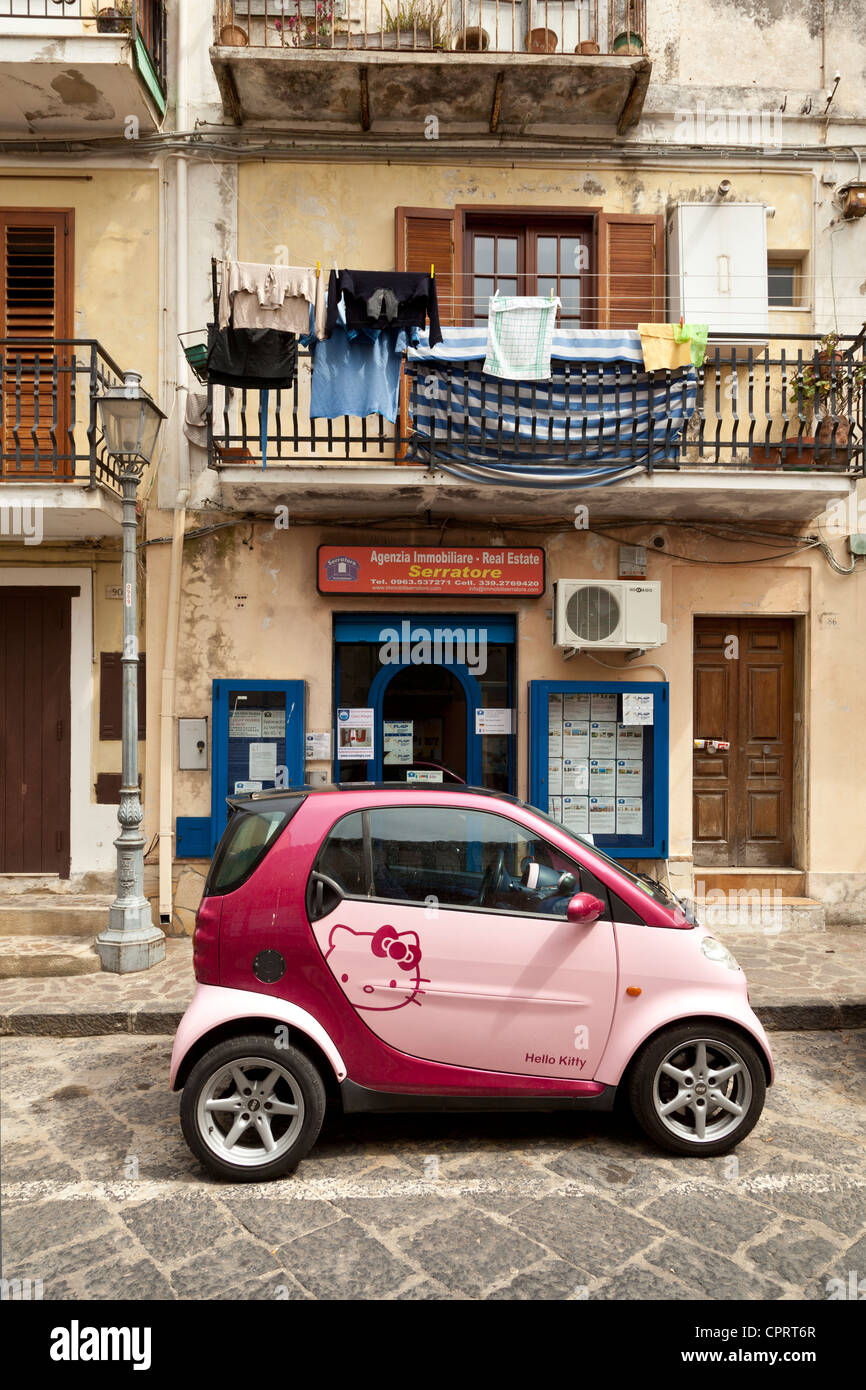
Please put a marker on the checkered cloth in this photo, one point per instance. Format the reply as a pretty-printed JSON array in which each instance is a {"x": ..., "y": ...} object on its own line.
[{"x": 519, "y": 337}]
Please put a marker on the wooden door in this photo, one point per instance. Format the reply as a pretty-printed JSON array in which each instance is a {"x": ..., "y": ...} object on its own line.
[
  {"x": 34, "y": 730},
  {"x": 36, "y": 304},
  {"x": 744, "y": 694}
]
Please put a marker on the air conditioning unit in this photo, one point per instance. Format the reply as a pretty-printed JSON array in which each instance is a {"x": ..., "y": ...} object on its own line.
[{"x": 618, "y": 614}]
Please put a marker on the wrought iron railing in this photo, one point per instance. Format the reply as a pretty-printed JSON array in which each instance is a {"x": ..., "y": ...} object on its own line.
[
  {"x": 146, "y": 17},
  {"x": 752, "y": 406},
  {"x": 49, "y": 422},
  {"x": 495, "y": 26}
]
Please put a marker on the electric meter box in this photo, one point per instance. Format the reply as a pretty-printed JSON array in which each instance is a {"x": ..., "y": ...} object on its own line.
[
  {"x": 717, "y": 269},
  {"x": 192, "y": 741}
]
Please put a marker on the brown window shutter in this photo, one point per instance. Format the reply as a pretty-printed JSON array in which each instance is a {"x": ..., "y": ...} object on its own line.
[
  {"x": 631, "y": 270},
  {"x": 425, "y": 237},
  {"x": 111, "y": 695},
  {"x": 36, "y": 276}
]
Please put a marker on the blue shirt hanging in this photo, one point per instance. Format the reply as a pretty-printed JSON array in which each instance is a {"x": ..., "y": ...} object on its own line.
[{"x": 357, "y": 371}]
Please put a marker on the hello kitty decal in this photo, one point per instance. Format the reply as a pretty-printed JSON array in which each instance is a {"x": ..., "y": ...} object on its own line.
[{"x": 398, "y": 951}]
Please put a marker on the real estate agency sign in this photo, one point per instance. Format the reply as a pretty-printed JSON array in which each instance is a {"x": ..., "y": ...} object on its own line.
[{"x": 493, "y": 571}]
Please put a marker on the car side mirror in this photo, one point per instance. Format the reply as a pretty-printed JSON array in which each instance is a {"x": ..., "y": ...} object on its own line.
[{"x": 584, "y": 908}]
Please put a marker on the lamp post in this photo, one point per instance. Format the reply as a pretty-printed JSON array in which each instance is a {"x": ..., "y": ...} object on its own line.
[{"x": 130, "y": 425}]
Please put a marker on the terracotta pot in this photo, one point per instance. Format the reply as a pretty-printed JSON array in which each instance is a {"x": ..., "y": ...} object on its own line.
[
  {"x": 588, "y": 46},
  {"x": 803, "y": 462},
  {"x": 828, "y": 365},
  {"x": 541, "y": 41},
  {"x": 832, "y": 450},
  {"x": 474, "y": 40},
  {"x": 764, "y": 456},
  {"x": 232, "y": 36}
]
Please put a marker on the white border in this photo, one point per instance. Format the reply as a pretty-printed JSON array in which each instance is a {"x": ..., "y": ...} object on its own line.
[{"x": 92, "y": 828}]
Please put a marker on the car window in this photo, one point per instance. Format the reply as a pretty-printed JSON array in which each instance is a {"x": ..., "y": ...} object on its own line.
[
  {"x": 467, "y": 858},
  {"x": 246, "y": 840},
  {"x": 341, "y": 858}
]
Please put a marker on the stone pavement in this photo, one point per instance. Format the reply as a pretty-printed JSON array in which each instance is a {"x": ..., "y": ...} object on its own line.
[
  {"x": 102, "y": 1198},
  {"x": 796, "y": 980}
]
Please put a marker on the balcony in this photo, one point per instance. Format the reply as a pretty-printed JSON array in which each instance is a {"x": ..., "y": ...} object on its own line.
[
  {"x": 52, "y": 454},
  {"x": 433, "y": 69},
  {"x": 740, "y": 438},
  {"x": 80, "y": 67}
]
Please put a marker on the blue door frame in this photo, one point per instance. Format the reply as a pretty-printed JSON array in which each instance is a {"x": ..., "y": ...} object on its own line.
[
  {"x": 368, "y": 628},
  {"x": 294, "y": 742}
]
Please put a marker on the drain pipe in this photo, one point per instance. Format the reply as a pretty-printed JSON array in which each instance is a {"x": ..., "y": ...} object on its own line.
[
  {"x": 166, "y": 723},
  {"x": 172, "y": 621}
]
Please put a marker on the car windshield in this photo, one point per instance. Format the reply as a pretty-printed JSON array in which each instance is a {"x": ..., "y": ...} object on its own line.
[{"x": 644, "y": 882}]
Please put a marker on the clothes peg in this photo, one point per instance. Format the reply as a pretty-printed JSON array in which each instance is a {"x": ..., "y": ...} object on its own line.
[
  {"x": 432, "y": 272},
  {"x": 551, "y": 292},
  {"x": 318, "y": 269}
]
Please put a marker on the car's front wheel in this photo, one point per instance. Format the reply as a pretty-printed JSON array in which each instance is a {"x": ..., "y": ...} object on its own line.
[
  {"x": 698, "y": 1088},
  {"x": 251, "y": 1110}
]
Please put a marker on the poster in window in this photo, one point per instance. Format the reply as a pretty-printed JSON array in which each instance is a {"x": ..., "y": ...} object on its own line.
[
  {"x": 575, "y": 814},
  {"x": 629, "y": 815},
  {"x": 575, "y": 738},
  {"x": 602, "y": 815},
  {"x": 575, "y": 776},
  {"x": 354, "y": 735}
]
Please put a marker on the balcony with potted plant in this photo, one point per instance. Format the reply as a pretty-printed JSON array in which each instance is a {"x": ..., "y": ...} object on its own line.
[{"x": 503, "y": 68}]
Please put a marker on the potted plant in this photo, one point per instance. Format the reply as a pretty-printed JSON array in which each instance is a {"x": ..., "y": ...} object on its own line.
[
  {"x": 825, "y": 389},
  {"x": 114, "y": 19},
  {"x": 417, "y": 24}
]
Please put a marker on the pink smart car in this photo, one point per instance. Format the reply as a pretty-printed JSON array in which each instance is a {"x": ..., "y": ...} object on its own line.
[{"x": 442, "y": 948}]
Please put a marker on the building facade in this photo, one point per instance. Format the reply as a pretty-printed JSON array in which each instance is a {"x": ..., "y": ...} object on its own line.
[{"x": 483, "y": 586}]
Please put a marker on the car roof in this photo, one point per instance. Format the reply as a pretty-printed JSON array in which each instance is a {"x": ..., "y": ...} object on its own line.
[{"x": 291, "y": 794}]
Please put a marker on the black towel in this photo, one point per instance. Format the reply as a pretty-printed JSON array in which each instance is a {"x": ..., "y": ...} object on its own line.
[{"x": 252, "y": 358}]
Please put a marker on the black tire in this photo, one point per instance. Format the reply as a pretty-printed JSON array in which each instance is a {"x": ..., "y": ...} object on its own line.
[
  {"x": 299, "y": 1084},
  {"x": 649, "y": 1089}
]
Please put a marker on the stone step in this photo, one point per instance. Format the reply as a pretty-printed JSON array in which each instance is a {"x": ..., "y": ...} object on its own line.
[
  {"x": 33, "y": 957},
  {"x": 49, "y": 914},
  {"x": 766, "y": 912},
  {"x": 790, "y": 882}
]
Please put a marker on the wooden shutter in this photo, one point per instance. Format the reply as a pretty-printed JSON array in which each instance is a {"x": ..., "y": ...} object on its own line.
[
  {"x": 631, "y": 270},
  {"x": 111, "y": 695},
  {"x": 35, "y": 302},
  {"x": 425, "y": 237}
]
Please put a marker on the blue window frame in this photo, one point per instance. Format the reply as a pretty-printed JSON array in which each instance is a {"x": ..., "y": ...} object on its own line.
[{"x": 653, "y": 843}]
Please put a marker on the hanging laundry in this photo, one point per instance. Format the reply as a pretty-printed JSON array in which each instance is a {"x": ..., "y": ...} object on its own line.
[
  {"x": 669, "y": 345},
  {"x": 252, "y": 358},
  {"x": 520, "y": 336},
  {"x": 271, "y": 296},
  {"x": 376, "y": 299},
  {"x": 696, "y": 335},
  {"x": 355, "y": 372}
]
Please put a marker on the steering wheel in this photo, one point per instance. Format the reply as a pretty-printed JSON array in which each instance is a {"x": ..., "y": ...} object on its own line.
[{"x": 492, "y": 877}]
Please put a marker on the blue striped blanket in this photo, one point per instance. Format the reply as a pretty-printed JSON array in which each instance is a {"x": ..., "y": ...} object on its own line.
[{"x": 599, "y": 406}]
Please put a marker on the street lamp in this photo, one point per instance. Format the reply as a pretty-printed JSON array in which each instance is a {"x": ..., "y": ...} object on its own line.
[{"x": 130, "y": 425}]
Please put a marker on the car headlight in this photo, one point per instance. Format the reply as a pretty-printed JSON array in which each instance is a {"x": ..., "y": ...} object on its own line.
[{"x": 714, "y": 950}]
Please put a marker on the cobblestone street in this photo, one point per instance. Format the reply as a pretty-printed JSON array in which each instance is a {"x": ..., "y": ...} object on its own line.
[{"x": 101, "y": 1198}]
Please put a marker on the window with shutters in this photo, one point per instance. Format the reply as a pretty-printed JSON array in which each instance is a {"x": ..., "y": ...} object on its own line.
[
  {"x": 607, "y": 268},
  {"x": 35, "y": 318}
]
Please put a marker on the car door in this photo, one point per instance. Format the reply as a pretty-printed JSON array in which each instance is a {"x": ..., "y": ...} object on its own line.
[{"x": 444, "y": 963}]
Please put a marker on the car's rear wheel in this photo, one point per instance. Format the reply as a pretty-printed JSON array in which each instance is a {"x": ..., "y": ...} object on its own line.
[
  {"x": 251, "y": 1110},
  {"x": 698, "y": 1088}
]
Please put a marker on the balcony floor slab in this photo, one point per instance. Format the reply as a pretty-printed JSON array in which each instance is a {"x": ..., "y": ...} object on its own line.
[{"x": 326, "y": 491}]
